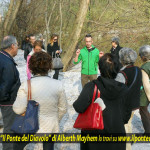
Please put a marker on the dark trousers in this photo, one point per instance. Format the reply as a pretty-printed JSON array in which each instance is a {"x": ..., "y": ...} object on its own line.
[
  {"x": 145, "y": 116},
  {"x": 8, "y": 118},
  {"x": 46, "y": 146},
  {"x": 55, "y": 76}
]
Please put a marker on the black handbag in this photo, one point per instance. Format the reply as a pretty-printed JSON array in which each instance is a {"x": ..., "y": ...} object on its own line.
[{"x": 27, "y": 122}]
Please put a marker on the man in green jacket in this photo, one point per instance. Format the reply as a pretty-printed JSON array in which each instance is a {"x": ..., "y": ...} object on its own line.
[{"x": 89, "y": 56}]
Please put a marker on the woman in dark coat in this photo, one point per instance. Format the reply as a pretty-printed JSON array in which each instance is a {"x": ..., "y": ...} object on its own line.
[
  {"x": 130, "y": 75},
  {"x": 112, "y": 93},
  {"x": 54, "y": 50},
  {"x": 127, "y": 75}
]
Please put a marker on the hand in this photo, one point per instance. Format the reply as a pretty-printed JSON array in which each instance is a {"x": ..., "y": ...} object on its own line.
[
  {"x": 57, "y": 52},
  {"x": 37, "y": 104},
  {"x": 101, "y": 54},
  {"x": 78, "y": 52}
]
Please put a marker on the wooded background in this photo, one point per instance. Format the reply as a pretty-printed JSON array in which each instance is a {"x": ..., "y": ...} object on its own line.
[{"x": 73, "y": 19}]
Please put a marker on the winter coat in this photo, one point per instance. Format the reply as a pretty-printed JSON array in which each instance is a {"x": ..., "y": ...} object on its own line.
[
  {"x": 89, "y": 60},
  {"x": 28, "y": 58},
  {"x": 9, "y": 79},
  {"x": 116, "y": 51},
  {"x": 51, "y": 50},
  {"x": 113, "y": 95},
  {"x": 50, "y": 95},
  {"x": 27, "y": 50}
]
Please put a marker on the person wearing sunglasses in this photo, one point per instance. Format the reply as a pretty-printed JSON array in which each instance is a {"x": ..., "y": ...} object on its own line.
[{"x": 53, "y": 49}]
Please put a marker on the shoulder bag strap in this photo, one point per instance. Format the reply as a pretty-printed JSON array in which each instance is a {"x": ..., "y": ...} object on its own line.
[
  {"x": 29, "y": 94},
  {"x": 94, "y": 94},
  {"x": 29, "y": 90},
  {"x": 124, "y": 74},
  {"x": 54, "y": 55},
  {"x": 136, "y": 71},
  {"x": 98, "y": 95}
]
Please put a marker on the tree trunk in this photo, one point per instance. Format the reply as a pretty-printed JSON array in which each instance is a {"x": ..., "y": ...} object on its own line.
[
  {"x": 60, "y": 8},
  {"x": 17, "y": 6},
  {"x": 5, "y": 24},
  {"x": 47, "y": 22},
  {"x": 72, "y": 42},
  {"x": 11, "y": 16}
]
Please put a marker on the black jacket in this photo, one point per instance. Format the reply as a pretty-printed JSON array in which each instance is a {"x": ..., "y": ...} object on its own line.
[
  {"x": 51, "y": 50},
  {"x": 116, "y": 51},
  {"x": 113, "y": 95},
  {"x": 9, "y": 79},
  {"x": 27, "y": 50},
  {"x": 112, "y": 92}
]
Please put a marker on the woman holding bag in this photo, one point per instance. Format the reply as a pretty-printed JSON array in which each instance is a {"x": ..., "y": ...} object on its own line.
[
  {"x": 47, "y": 92},
  {"x": 53, "y": 49},
  {"x": 112, "y": 94}
]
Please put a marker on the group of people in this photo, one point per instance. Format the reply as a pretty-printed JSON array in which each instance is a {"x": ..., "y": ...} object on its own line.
[
  {"x": 48, "y": 92},
  {"x": 123, "y": 88},
  {"x": 30, "y": 45}
]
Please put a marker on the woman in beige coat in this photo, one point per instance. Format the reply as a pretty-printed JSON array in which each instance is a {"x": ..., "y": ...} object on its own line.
[{"x": 47, "y": 92}]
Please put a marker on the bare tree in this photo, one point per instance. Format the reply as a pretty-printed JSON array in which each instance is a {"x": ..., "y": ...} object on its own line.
[
  {"x": 11, "y": 15},
  {"x": 47, "y": 21},
  {"x": 78, "y": 24},
  {"x": 60, "y": 7}
]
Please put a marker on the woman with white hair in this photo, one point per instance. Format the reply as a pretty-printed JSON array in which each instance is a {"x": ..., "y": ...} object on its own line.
[
  {"x": 144, "y": 53},
  {"x": 130, "y": 75}
]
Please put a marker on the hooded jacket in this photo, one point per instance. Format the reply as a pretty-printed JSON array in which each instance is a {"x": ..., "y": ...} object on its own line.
[
  {"x": 113, "y": 95},
  {"x": 89, "y": 60}
]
